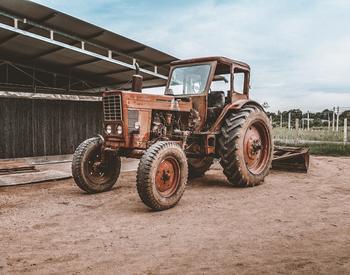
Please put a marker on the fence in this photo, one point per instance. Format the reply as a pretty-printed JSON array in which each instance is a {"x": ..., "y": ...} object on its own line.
[
  {"x": 296, "y": 134},
  {"x": 321, "y": 141}
]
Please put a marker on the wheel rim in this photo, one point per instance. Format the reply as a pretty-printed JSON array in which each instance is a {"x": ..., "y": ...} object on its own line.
[
  {"x": 167, "y": 177},
  {"x": 96, "y": 172},
  {"x": 256, "y": 147}
]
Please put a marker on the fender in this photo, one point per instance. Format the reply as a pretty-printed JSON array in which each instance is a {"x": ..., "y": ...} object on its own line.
[{"x": 228, "y": 108}]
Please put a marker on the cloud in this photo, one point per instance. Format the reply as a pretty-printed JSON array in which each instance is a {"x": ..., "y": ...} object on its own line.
[{"x": 298, "y": 50}]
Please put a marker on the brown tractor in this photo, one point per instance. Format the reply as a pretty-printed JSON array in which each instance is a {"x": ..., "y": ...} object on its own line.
[{"x": 205, "y": 114}]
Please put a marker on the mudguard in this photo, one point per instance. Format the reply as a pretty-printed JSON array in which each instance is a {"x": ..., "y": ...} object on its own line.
[{"x": 233, "y": 106}]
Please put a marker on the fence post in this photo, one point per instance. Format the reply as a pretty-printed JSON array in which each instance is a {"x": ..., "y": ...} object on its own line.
[
  {"x": 308, "y": 120},
  {"x": 297, "y": 123},
  {"x": 333, "y": 124},
  {"x": 329, "y": 122},
  {"x": 337, "y": 119},
  {"x": 345, "y": 130},
  {"x": 289, "y": 119},
  {"x": 281, "y": 121}
]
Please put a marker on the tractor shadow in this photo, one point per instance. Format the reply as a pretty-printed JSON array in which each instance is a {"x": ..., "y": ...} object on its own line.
[{"x": 213, "y": 178}]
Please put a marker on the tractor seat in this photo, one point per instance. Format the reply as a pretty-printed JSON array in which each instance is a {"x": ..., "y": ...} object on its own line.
[
  {"x": 216, "y": 99},
  {"x": 216, "y": 102}
]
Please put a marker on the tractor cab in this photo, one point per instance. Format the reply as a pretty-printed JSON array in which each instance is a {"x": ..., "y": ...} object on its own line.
[{"x": 212, "y": 83}]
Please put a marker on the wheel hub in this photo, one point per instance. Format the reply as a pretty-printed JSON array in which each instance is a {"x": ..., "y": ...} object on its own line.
[
  {"x": 167, "y": 177},
  {"x": 255, "y": 141}
]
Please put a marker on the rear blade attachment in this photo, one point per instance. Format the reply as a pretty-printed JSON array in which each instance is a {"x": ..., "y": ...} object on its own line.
[{"x": 293, "y": 159}]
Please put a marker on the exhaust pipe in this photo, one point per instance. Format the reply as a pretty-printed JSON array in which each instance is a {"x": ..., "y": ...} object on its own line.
[{"x": 137, "y": 80}]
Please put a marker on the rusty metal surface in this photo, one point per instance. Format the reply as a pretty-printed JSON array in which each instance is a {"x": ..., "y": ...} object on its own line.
[
  {"x": 220, "y": 59},
  {"x": 295, "y": 159}
]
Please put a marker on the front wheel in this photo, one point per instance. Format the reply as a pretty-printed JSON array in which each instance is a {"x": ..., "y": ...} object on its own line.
[
  {"x": 89, "y": 173},
  {"x": 162, "y": 175}
]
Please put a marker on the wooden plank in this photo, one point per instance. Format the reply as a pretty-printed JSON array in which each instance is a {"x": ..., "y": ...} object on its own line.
[{"x": 46, "y": 127}]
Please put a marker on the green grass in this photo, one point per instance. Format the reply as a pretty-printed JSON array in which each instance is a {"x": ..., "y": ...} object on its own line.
[{"x": 317, "y": 134}]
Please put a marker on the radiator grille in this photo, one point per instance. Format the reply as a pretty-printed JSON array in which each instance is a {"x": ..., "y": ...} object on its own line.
[{"x": 112, "y": 107}]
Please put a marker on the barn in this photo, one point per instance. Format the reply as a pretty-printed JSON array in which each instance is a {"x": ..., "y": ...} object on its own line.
[{"x": 53, "y": 68}]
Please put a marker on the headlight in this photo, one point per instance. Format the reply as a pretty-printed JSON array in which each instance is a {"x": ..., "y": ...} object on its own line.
[
  {"x": 108, "y": 129},
  {"x": 137, "y": 125},
  {"x": 119, "y": 129}
]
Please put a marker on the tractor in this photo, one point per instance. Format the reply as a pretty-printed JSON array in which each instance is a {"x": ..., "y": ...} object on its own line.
[{"x": 204, "y": 114}]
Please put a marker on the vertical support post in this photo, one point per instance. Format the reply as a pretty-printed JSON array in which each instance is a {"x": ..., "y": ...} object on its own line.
[
  {"x": 271, "y": 119},
  {"x": 297, "y": 124},
  {"x": 51, "y": 35},
  {"x": 333, "y": 119},
  {"x": 15, "y": 23},
  {"x": 281, "y": 121},
  {"x": 329, "y": 123},
  {"x": 289, "y": 119},
  {"x": 345, "y": 130},
  {"x": 302, "y": 123},
  {"x": 82, "y": 45},
  {"x": 308, "y": 120},
  {"x": 338, "y": 119},
  {"x": 69, "y": 82},
  {"x": 296, "y": 130},
  {"x": 110, "y": 54},
  {"x": 33, "y": 83},
  {"x": 7, "y": 73}
]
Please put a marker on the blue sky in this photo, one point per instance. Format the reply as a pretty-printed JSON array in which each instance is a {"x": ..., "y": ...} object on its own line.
[{"x": 299, "y": 50}]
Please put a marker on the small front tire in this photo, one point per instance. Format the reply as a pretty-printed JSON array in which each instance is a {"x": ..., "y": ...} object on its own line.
[
  {"x": 89, "y": 173},
  {"x": 162, "y": 175}
]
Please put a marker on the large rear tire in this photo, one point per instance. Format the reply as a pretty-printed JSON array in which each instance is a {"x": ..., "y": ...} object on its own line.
[
  {"x": 245, "y": 146},
  {"x": 198, "y": 167},
  {"x": 88, "y": 172},
  {"x": 162, "y": 175}
]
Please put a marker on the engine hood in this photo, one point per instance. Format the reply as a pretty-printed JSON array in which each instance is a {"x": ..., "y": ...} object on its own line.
[{"x": 132, "y": 100}]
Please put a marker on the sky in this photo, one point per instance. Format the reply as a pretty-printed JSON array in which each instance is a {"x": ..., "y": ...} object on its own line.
[{"x": 299, "y": 51}]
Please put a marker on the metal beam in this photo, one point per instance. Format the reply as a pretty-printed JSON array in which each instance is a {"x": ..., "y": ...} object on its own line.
[
  {"x": 115, "y": 72},
  {"x": 118, "y": 71},
  {"x": 78, "y": 50},
  {"x": 58, "y": 73},
  {"x": 60, "y": 48},
  {"x": 27, "y": 27}
]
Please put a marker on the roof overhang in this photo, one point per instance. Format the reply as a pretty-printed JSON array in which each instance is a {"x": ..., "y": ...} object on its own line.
[{"x": 35, "y": 35}]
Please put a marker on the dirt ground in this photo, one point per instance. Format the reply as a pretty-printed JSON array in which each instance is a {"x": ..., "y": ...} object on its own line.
[{"x": 294, "y": 223}]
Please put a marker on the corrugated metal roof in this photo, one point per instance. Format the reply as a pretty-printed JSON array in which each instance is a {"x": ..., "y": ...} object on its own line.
[{"x": 35, "y": 35}]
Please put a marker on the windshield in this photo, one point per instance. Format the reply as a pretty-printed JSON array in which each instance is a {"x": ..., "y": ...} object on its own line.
[{"x": 189, "y": 80}]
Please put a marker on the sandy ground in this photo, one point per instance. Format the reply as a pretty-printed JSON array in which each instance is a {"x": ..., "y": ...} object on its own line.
[{"x": 294, "y": 223}]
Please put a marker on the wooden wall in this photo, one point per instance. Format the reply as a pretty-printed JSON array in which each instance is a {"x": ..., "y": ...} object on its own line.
[{"x": 46, "y": 127}]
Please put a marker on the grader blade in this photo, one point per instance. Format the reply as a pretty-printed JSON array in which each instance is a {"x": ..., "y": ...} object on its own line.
[{"x": 295, "y": 159}]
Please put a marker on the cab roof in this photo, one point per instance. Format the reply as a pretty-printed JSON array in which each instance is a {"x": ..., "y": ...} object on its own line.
[{"x": 220, "y": 59}]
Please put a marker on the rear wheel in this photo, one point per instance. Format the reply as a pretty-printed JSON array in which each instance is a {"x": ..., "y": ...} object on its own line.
[
  {"x": 246, "y": 146},
  {"x": 89, "y": 173},
  {"x": 162, "y": 175},
  {"x": 198, "y": 167}
]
